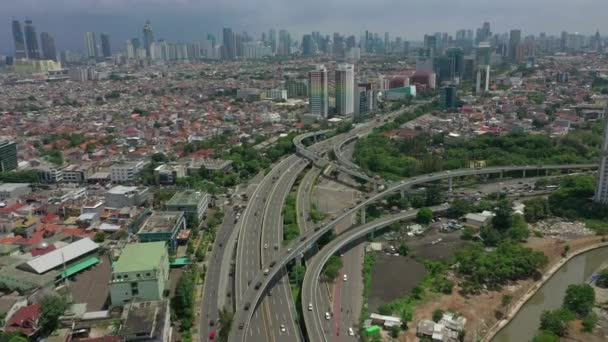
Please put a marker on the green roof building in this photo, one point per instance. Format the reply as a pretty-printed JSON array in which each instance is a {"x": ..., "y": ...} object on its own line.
[
  {"x": 141, "y": 273},
  {"x": 8, "y": 155},
  {"x": 190, "y": 202},
  {"x": 163, "y": 226}
]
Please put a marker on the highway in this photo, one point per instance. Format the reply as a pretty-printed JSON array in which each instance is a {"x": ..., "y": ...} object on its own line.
[
  {"x": 317, "y": 325},
  {"x": 278, "y": 306},
  {"x": 253, "y": 296}
]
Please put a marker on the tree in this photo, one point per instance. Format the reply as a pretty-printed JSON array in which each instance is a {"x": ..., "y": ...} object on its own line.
[
  {"x": 506, "y": 300},
  {"x": 394, "y": 331},
  {"x": 51, "y": 308},
  {"x": 403, "y": 249},
  {"x": 579, "y": 299},
  {"x": 503, "y": 218},
  {"x": 437, "y": 315},
  {"x": 589, "y": 322},
  {"x": 545, "y": 336},
  {"x": 296, "y": 276},
  {"x": 424, "y": 216},
  {"x": 459, "y": 208},
  {"x": 183, "y": 299},
  {"x": 433, "y": 195},
  {"x": 332, "y": 267},
  {"x": 536, "y": 209},
  {"x": 225, "y": 321},
  {"x": 556, "y": 321},
  {"x": 100, "y": 237}
]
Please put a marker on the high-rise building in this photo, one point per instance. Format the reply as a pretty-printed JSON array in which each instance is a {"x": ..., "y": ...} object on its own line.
[
  {"x": 148, "y": 36},
  {"x": 307, "y": 45},
  {"x": 229, "y": 47},
  {"x": 296, "y": 87},
  {"x": 345, "y": 89},
  {"x": 90, "y": 41},
  {"x": 130, "y": 49},
  {"x": 601, "y": 192},
  {"x": 514, "y": 40},
  {"x": 48, "y": 46},
  {"x": 106, "y": 50},
  {"x": 317, "y": 97},
  {"x": 456, "y": 62},
  {"x": 8, "y": 155},
  {"x": 272, "y": 36},
  {"x": 448, "y": 99},
  {"x": 19, "y": 40},
  {"x": 31, "y": 40}
]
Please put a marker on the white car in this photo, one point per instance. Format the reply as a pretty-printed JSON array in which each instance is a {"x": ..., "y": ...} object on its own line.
[
  {"x": 309, "y": 306},
  {"x": 265, "y": 246},
  {"x": 351, "y": 332},
  {"x": 345, "y": 277},
  {"x": 283, "y": 328},
  {"x": 327, "y": 316}
]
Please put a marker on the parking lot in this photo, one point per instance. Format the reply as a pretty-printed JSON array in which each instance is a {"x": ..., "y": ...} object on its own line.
[{"x": 91, "y": 285}]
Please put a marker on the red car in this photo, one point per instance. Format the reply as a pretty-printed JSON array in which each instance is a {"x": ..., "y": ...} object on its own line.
[{"x": 212, "y": 335}]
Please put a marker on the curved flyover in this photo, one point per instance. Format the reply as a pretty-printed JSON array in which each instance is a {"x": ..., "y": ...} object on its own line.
[
  {"x": 312, "y": 318},
  {"x": 252, "y": 296},
  {"x": 338, "y": 152}
]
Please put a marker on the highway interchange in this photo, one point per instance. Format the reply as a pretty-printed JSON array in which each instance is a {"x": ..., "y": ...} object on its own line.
[{"x": 264, "y": 309}]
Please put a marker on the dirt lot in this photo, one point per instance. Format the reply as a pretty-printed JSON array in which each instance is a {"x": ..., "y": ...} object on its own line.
[
  {"x": 483, "y": 310},
  {"x": 396, "y": 276},
  {"x": 393, "y": 277}
]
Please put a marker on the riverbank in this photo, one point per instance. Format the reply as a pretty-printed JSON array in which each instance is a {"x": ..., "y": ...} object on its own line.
[{"x": 577, "y": 247}]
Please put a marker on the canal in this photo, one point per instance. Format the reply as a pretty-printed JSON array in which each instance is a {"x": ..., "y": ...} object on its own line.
[{"x": 525, "y": 324}]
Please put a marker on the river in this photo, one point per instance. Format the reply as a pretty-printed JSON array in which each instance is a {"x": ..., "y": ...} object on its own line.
[{"x": 524, "y": 325}]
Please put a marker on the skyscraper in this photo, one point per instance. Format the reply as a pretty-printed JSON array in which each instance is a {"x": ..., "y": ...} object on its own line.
[
  {"x": 345, "y": 88},
  {"x": 229, "y": 48},
  {"x": 601, "y": 192},
  {"x": 90, "y": 41},
  {"x": 31, "y": 40},
  {"x": 8, "y": 155},
  {"x": 18, "y": 40},
  {"x": 48, "y": 46},
  {"x": 514, "y": 40},
  {"x": 148, "y": 36},
  {"x": 317, "y": 98},
  {"x": 307, "y": 45},
  {"x": 448, "y": 99},
  {"x": 106, "y": 50}
]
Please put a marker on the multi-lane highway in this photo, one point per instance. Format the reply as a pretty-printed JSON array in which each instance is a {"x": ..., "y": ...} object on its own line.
[
  {"x": 252, "y": 296},
  {"x": 314, "y": 307}
]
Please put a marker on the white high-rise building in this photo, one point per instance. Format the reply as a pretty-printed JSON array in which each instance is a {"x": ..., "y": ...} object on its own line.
[
  {"x": 91, "y": 44},
  {"x": 345, "y": 89},
  {"x": 130, "y": 49},
  {"x": 317, "y": 91},
  {"x": 601, "y": 192}
]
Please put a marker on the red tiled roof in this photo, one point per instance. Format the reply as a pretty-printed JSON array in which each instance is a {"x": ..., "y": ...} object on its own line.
[
  {"x": 49, "y": 218},
  {"x": 10, "y": 240},
  {"x": 24, "y": 320},
  {"x": 11, "y": 208}
]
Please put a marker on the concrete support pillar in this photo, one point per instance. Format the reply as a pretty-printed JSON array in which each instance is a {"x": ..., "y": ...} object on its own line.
[
  {"x": 402, "y": 191},
  {"x": 524, "y": 173},
  {"x": 375, "y": 187},
  {"x": 450, "y": 184},
  {"x": 363, "y": 215},
  {"x": 546, "y": 172},
  {"x": 501, "y": 173}
]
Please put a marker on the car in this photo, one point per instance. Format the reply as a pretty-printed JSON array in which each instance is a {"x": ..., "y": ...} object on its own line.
[
  {"x": 265, "y": 246},
  {"x": 283, "y": 328},
  {"x": 351, "y": 332},
  {"x": 241, "y": 326},
  {"x": 211, "y": 323},
  {"x": 266, "y": 271},
  {"x": 258, "y": 285},
  {"x": 310, "y": 306},
  {"x": 276, "y": 247},
  {"x": 345, "y": 277},
  {"x": 327, "y": 316},
  {"x": 212, "y": 335},
  {"x": 247, "y": 306}
]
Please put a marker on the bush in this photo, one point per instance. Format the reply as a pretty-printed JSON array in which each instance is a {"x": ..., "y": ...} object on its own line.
[
  {"x": 589, "y": 322},
  {"x": 545, "y": 336},
  {"x": 579, "y": 299},
  {"x": 437, "y": 315},
  {"x": 602, "y": 279},
  {"x": 556, "y": 321},
  {"x": 424, "y": 216}
]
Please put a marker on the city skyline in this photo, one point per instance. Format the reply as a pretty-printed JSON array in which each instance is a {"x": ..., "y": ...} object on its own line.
[{"x": 188, "y": 21}]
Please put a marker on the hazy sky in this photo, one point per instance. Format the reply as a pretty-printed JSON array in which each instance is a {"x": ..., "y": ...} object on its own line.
[{"x": 186, "y": 20}]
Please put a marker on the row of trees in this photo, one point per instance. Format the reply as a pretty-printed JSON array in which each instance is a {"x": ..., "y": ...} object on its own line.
[
  {"x": 290, "y": 219},
  {"x": 182, "y": 302}
]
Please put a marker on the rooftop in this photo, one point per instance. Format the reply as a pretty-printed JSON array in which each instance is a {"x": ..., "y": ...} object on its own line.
[
  {"x": 12, "y": 186},
  {"x": 122, "y": 190},
  {"x": 140, "y": 256},
  {"x": 188, "y": 197},
  {"x": 161, "y": 221}
]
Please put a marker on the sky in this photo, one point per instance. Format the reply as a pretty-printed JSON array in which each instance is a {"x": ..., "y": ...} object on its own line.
[{"x": 188, "y": 20}]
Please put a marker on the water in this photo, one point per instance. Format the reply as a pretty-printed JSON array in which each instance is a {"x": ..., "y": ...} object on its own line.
[{"x": 550, "y": 297}]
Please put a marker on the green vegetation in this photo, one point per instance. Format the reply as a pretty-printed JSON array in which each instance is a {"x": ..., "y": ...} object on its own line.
[
  {"x": 19, "y": 177},
  {"x": 578, "y": 303},
  {"x": 182, "y": 302},
  {"x": 536, "y": 209},
  {"x": 290, "y": 220},
  {"x": 51, "y": 308},
  {"x": 225, "y": 320},
  {"x": 437, "y": 315},
  {"x": 536, "y": 97},
  {"x": 100, "y": 237},
  {"x": 369, "y": 261},
  {"x": 53, "y": 156},
  {"x": 602, "y": 280},
  {"x": 406, "y": 158},
  {"x": 74, "y": 139},
  {"x": 332, "y": 267},
  {"x": 424, "y": 216},
  {"x": 315, "y": 214},
  {"x": 545, "y": 336},
  {"x": 508, "y": 262}
]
